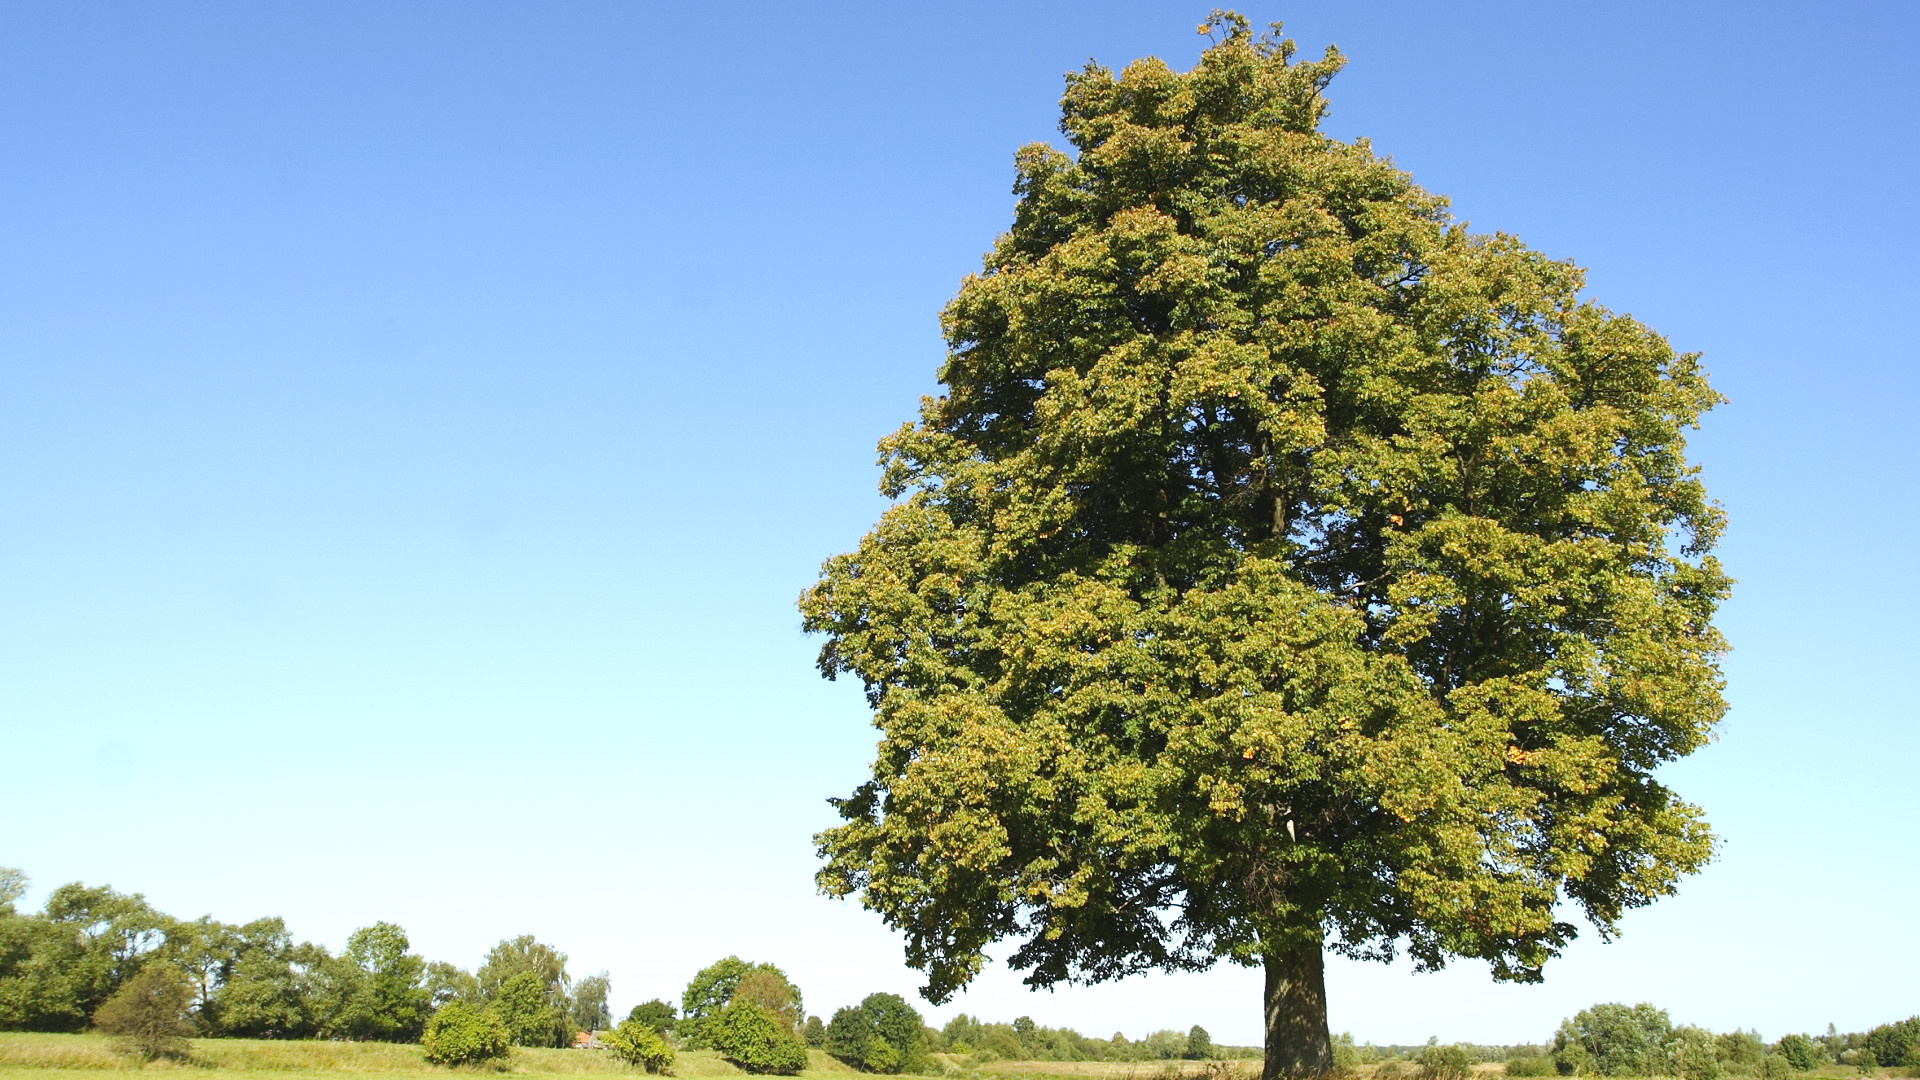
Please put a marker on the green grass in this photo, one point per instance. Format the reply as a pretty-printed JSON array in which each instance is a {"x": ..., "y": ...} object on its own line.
[{"x": 75, "y": 1057}]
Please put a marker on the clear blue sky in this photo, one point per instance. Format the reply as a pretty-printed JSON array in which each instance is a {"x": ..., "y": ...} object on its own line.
[{"x": 418, "y": 420}]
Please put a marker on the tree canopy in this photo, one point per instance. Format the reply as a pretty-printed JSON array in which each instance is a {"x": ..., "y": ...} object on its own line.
[{"x": 1283, "y": 567}]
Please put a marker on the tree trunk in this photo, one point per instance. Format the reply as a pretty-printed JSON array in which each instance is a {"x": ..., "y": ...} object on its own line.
[{"x": 1298, "y": 1044}]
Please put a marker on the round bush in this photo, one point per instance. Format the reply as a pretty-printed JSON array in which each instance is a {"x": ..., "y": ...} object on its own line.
[
  {"x": 148, "y": 1015},
  {"x": 460, "y": 1034},
  {"x": 756, "y": 1041},
  {"x": 637, "y": 1043}
]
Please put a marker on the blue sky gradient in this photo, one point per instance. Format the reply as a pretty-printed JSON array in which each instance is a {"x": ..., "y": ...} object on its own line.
[{"x": 417, "y": 421}]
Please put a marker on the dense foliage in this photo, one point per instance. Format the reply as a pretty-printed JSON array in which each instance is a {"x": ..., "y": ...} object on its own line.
[
  {"x": 587, "y": 1004},
  {"x": 1614, "y": 1040},
  {"x": 526, "y": 983},
  {"x": 757, "y": 1040},
  {"x": 1895, "y": 1044},
  {"x": 1283, "y": 567},
  {"x": 461, "y": 1033},
  {"x": 656, "y": 1014},
  {"x": 637, "y": 1042},
  {"x": 148, "y": 1015},
  {"x": 882, "y": 1034},
  {"x": 1620, "y": 1040},
  {"x": 710, "y": 991},
  {"x": 532, "y": 1019},
  {"x": 59, "y": 967}
]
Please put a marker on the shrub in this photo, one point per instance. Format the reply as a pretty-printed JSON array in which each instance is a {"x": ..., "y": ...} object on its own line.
[
  {"x": 1530, "y": 1065},
  {"x": 461, "y": 1034},
  {"x": 148, "y": 1015},
  {"x": 1799, "y": 1052},
  {"x": 882, "y": 1034},
  {"x": 756, "y": 1041},
  {"x": 1614, "y": 1040},
  {"x": 1776, "y": 1067},
  {"x": 1450, "y": 1062},
  {"x": 1390, "y": 1070},
  {"x": 637, "y": 1043},
  {"x": 1695, "y": 1054}
]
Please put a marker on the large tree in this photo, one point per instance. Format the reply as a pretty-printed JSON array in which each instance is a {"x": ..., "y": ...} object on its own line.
[{"x": 1283, "y": 568}]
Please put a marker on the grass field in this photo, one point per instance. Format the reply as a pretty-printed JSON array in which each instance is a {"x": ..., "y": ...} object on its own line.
[
  {"x": 48, "y": 1057},
  {"x": 76, "y": 1057}
]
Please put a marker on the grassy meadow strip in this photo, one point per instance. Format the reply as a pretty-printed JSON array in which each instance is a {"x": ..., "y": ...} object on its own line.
[{"x": 45, "y": 1055}]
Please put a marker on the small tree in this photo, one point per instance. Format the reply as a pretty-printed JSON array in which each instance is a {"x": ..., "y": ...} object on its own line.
[
  {"x": 656, "y": 1014},
  {"x": 1740, "y": 1052},
  {"x": 882, "y": 1034},
  {"x": 148, "y": 1015},
  {"x": 815, "y": 1033},
  {"x": 756, "y": 1040},
  {"x": 1694, "y": 1054},
  {"x": 637, "y": 1043},
  {"x": 380, "y": 987},
  {"x": 1614, "y": 1040},
  {"x": 531, "y": 1018},
  {"x": 768, "y": 988},
  {"x": 707, "y": 993},
  {"x": 1799, "y": 1052},
  {"x": 524, "y": 953},
  {"x": 462, "y": 1033},
  {"x": 1199, "y": 1044},
  {"x": 446, "y": 983},
  {"x": 588, "y": 1005}
]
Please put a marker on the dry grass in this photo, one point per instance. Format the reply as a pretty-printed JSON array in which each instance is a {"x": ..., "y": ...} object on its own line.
[
  {"x": 1122, "y": 1070},
  {"x": 74, "y": 1057}
]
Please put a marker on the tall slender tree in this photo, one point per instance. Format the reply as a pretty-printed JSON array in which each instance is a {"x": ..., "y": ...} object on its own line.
[{"x": 1283, "y": 568}]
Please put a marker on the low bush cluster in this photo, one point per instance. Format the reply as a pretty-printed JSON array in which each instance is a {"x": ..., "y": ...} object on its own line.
[
  {"x": 1452, "y": 1061},
  {"x": 757, "y": 1040},
  {"x": 1639, "y": 1040},
  {"x": 637, "y": 1043},
  {"x": 882, "y": 1034},
  {"x": 463, "y": 1034}
]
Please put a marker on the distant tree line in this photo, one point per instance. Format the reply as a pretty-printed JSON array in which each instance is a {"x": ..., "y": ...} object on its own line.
[
  {"x": 1023, "y": 1040},
  {"x": 94, "y": 957},
  {"x": 60, "y": 966},
  {"x": 1641, "y": 1040}
]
